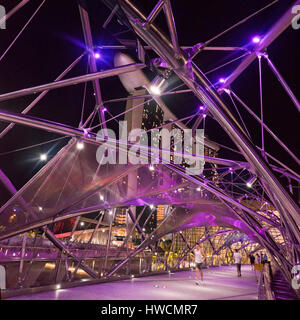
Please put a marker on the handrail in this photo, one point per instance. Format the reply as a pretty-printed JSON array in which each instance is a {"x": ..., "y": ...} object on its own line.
[
  {"x": 260, "y": 290},
  {"x": 265, "y": 291}
]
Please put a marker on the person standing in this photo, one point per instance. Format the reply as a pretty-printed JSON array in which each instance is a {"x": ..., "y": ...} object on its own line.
[
  {"x": 252, "y": 260},
  {"x": 264, "y": 258},
  {"x": 199, "y": 259},
  {"x": 237, "y": 260}
]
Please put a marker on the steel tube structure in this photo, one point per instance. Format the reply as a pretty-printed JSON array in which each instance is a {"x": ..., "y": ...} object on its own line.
[
  {"x": 147, "y": 242},
  {"x": 156, "y": 10},
  {"x": 267, "y": 211},
  {"x": 13, "y": 11},
  {"x": 136, "y": 222},
  {"x": 42, "y": 94},
  {"x": 216, "y": 107},
  {"x": 59, "y": 244},
  {"x": 109, "y": 237},
  {"x": 266, "y": 127},
  {"x": 171, "y": 26},
  {"x": 85, "y": 21},
  {"x": 48, "y": 233},
  {"x": 282, "y": 24},
  {"x": 74, "y": 132},
  {"x": 78, "y": 132},
  {"x": 283, "y": 82},
  {"x": 132, "y": 44},
  {"x": 72, "y": 81},
  {"x": 202, "y": 240}
]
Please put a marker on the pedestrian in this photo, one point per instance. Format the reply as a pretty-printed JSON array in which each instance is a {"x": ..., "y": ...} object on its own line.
[
  {"x": 199, "y": 259},
  {"x": 252, "y": 260},
  {"x": 264, "y": 258},
  {"x": 237, "y": 260},
  {"x": 258, "y": 266}
]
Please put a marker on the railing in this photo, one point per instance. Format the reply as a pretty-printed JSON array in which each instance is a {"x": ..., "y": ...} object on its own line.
[{"x": 264, "y": 284}]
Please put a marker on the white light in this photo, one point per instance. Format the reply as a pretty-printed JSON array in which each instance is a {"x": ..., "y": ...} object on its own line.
[
  {"x": 199, "y": 189},
  {"x": 144, "y": 229},
  {"x": 151, "y": 206},
  {"x": 82, "y": 223},
  {"x": 40, "y": 209},
  {"x": 151, "y": 168},
  {"x": 103, "y": 230},
  {"x": 97, "y": 55},
  {"x": 158, "y": 85},
  {"x": 251, "y": 182},
  {"x": 43, "y": 157},
  {"x": 256, "y": 39},
  {"x": 110, "y": 212},
  {"x": 79, "y": 145},
  {"x": 155, "y": 90},
  {"x": 101, "y": 197}
]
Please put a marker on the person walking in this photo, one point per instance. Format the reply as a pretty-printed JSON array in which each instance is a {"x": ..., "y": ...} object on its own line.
[
  {"x": 237, "y": 260},
  {"x": 258, "y": 266},
  {"x": 252, "y": 260},
  {"x": 199, "y": 259}
]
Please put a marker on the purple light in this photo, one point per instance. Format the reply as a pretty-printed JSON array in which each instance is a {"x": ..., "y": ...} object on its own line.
[
  {"x": 256, "y": 39},
  {"x": 201, "y": 108},
  {"x": 222, "y": 80},
  {"x": 104, "y": 109},
  {"x": 97, "y": 55}
]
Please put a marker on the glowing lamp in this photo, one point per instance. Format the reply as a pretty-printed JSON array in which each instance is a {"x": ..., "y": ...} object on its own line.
[
  {"x": 43, "y": 157},
  {"x": 79, "y": 145},
  {"x": 158, "y": 85},
  {"x": 250, "y": 182},
  {"x": 256, "y": 39}
]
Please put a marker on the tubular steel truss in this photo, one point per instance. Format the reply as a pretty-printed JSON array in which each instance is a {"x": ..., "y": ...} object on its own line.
[{"x": 197, "y": 209}]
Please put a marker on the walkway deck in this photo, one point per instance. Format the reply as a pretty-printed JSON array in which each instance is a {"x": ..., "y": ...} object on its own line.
[{"x": 219, "y": 284}]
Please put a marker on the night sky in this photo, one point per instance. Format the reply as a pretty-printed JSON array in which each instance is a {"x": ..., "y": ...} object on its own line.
[{"x": 54, "y": 39}]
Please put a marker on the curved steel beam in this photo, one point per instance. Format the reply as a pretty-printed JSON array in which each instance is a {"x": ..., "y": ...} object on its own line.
[
  {"x": 72, "y": 81},
  {"x": 282, "y": 24},
  {"x": 217, "y": 108}
]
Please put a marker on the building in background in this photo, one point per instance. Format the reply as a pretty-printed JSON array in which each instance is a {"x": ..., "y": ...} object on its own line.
[{"x": 145, "y": 113}]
